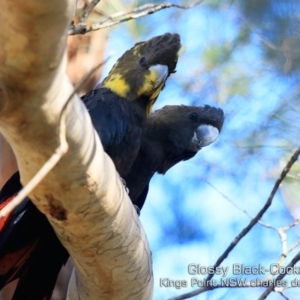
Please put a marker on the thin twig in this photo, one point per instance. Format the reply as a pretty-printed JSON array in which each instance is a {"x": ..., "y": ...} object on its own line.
[
  {"x": 280, "y": 231},
  {"x": 237, "y": 206},
  {"x": 59, "y": 152},
  {"x": 88, "y": 10},
  {"x": 39, "y": 176},
  {"x": 283, "y": 295},
  {"x": 265, "y": 41},
  {"x": 285, "y": 251},
  {"x": 250, "y": 284},
  {"x": 144, "y": 10},
  {"x": 283, "y": 174},
  {"x": 280, "y": 276},
  {"x": 294, "y": 246}
]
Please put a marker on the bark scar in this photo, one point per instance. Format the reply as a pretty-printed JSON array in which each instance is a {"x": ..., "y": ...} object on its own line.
[{"x": 56, "y": 210}]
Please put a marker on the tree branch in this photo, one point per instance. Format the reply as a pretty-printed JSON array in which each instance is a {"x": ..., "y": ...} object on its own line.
[
  {"x": 82, "y": 196},
  {"x": 88, "y": 10},
  {"x": 120, "y": 17},
  {"x": 283, "y": 174},
  {"x": 282, "y": 274}
]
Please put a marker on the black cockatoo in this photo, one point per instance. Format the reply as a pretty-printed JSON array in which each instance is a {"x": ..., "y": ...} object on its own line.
[
  {"x": 120, "y": 104},
  {"x": 118, "y": 108},
  {"x": 173, "y": 134}
]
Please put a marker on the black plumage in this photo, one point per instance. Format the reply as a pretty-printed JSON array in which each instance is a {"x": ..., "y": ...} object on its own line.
[
  {"x": 168, "y": 138},
  {"x": 119, "y": 124},
  {"x": 172, "y": 134},
  {"x": 118, "y": 109}
]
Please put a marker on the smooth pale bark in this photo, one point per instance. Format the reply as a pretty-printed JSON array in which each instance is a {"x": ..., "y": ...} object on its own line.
[{"x": 82, "y": 196}]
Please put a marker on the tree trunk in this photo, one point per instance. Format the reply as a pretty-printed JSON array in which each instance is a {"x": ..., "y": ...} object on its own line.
[{"x": 82, "y": 196}]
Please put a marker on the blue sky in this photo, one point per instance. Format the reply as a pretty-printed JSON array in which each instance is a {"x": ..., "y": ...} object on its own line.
[{"x": 187, "y": 217}]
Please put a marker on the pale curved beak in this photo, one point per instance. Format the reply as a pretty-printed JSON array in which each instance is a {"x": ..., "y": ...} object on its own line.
[
  {"x": 205, "y": 135},
  {"x": 162, "y": 72}
]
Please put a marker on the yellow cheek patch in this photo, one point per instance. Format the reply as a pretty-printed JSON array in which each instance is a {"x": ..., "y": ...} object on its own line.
[
  {"x": 150, "y": 82},
  {"x": 156, "y": 92},
  {"x": 117, "y": 84},
  {"x": 150, "y": 88},
  {"x": 153, "y": 99}
]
